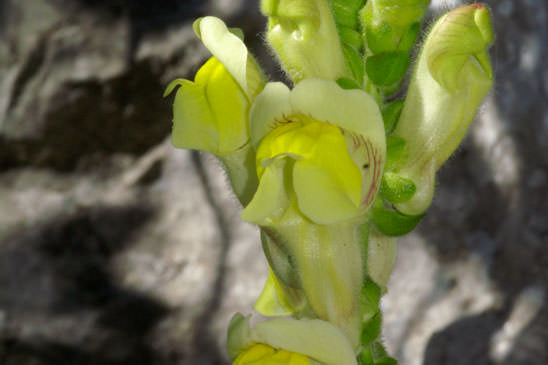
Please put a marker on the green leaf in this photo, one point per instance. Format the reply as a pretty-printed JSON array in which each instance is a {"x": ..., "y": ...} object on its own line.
[
  {"x": 387, "y": 68},
  {"x": 396, "y": 152},
  {"x": 380, "y": 37},
  {"x": 408, "y": 39},
  {"x": 348, "y": 84},
  {"x": 397, "y": 189},
  {"x": 351, "y": 37},
  {"x": 392, "y": 223},
  {"x": 386, "y": 361},
  {"x": 354, "y": 61},
  {"x": 375, "y": 354},
  {"x": 370, "y": 298},
  {"x": 391, "y": 113},
  {"x": 345, "y": 12},
  {"x": 377, "y": 350},
  {"x": 366, "y": 357},
  {"x": 371, "y": 329}
]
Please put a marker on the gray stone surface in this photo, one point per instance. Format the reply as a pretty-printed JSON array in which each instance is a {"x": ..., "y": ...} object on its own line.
[{"x": 116, "y": 248}]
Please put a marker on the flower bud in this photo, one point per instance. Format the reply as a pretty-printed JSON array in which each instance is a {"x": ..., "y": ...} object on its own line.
[
  {"x": 398, "y": 12},
  {"x": 392, "y": 24},
  {"x": 451, "y": 78},
  {"x": 304, "y": 35},
  {"x": 210, "y": 114}
]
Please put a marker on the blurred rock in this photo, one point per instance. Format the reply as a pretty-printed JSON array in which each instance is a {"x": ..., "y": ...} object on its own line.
[
  {"x": 80, "y": 80},
  {"x": 490, "y": 204},
  {"x": 125, "y": 265},
  {"x": 116, "y": 248}
]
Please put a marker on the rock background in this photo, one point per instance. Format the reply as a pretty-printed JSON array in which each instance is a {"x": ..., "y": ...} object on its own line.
[{"x": 115, "y": 248}]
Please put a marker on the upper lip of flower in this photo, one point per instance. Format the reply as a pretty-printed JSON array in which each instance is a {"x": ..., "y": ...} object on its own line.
[{"x": 304, "y": 336}]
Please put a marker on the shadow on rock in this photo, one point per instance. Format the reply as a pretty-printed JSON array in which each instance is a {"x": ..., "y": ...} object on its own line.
[
  {"x": 78, "y": 90},
  {"x": 17, "y": 352},
  {"x": 464, "y": 342},
  {"x": 145, "y": 16},
  {"x": 62, "y": 302},
  {"x": 490, "y": 194}
]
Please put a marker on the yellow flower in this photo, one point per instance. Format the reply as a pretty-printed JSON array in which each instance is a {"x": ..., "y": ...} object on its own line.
[
  {"x": 320, "y": 157},
  {"x": 260, "y": 354},
  {"x": 210, "y": 114},
  {"x": 288, "y": 342},
  {"x": 318, "y": 146}
]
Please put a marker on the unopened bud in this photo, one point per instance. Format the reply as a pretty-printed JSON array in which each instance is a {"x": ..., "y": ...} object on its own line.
[{"x": 452, "y": 76}]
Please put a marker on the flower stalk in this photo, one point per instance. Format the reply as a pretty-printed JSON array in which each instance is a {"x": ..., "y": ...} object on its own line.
[{"x": 332, "y": 170}]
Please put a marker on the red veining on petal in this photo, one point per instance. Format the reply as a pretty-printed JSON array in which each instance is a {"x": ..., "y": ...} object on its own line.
[
  {"x": 355, "y": 142},
  {"x": 277, "y": 122},
  {"x": 375, "y": 161}
]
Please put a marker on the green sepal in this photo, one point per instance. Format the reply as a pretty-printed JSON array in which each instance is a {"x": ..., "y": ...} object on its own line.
[
  {"x": 387, "y": 68},
  {"x": 390, "y": 114},
  {"x": 371, "y": 329},
  {"x": 348, "y": 84},
  {"x": 397, "y": 189},
  {"x": 396, "y": 152},
  {"x": 354, "y": 62},
  {"x": 392, "y": 223}
]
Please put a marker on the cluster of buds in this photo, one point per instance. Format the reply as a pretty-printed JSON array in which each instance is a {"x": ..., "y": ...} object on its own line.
[{"x": 334, "y": 168}]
